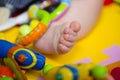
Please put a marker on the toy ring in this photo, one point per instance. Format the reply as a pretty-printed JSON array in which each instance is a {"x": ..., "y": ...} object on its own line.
[
  {"x": 38, "y": 30},
  {"x": 56, "y": 14},
  {"x": 33, "y": 56},
  {"x": 24, "y": 57},
  {"x": 61, "y": 10},
  {"x": 45, "y": 18}
]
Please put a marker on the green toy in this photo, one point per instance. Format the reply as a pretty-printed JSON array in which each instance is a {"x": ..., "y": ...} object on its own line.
[
  {"x": 99, "y": 72},
  {"x": 6, "y": 78},
  {"x": 117, "y": 1}
]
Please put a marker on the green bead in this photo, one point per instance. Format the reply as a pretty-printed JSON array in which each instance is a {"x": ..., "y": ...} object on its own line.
[
  {"x": 6, "y": 78},
  {"x": 25, "y": 29},
  {"x": 118, "y": 1},
  {"x": 47, "y": 68},
  {"x": 99, "y": 72}
]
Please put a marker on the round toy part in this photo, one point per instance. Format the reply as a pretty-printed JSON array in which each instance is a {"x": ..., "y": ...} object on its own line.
[
  {"x": 45, "y": 19},
  {"x": 6, "y": 78},
  {"x": 26, "y": 58},
  {"x": 116, "y": 73},
  {"x": 33, "y": 35},
  {"x": 99, "y": 72},
  {"x": 33, "y": 8},
  {"x": 41, "y": 15},
  {"x": 34, "y": 23},
  {"x": 47, "y": 68},
  {"x": 108, "y": 2},
  {"x": 19, "y": 75},
  {"x": 69, "y": 72},
  {"x": 60, "y": 10},
  {"x": 32, "y": 11},
  {"x": 25, "y": 29},
  {"x": 5, "y": 46},
  {"x": 38, "y": 30},
  {"x": 75, "y": 72},
  {"x": 6, "y": 72},
  {"x": 55, "y": 15}
]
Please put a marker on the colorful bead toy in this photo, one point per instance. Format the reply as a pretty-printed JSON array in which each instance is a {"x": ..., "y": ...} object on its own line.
[
  {"x": 46, "y": 18},
  {"x": 75, "y": 72},
  {"x": 25, "y": 57}
]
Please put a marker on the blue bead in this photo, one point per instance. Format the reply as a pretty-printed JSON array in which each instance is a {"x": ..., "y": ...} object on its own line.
[
  {"x": 40, "y": 61},
  {"x": 74, "y": 71},
  {"x": 4, "y": 48},
  {"x": 28, "y": 60}
]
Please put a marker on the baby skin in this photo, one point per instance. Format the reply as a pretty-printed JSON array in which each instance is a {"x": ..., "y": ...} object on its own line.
[{"x": 75, "y": 24}]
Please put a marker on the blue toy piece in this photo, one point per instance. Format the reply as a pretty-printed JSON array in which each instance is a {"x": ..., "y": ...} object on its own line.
[
  {"x": 25, "y": 57},
  {"x": 64, "y": 1}
]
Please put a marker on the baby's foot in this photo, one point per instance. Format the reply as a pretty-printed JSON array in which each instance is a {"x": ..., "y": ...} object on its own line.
[{"x": 58, "y": 39}]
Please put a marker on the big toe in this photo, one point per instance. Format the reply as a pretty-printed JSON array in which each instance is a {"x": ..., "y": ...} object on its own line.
[
  {"x": 75, "y": 26},
  {"x": 69, "y": 37}
]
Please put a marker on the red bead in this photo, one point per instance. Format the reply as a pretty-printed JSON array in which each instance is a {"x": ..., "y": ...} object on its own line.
[
  {"x": 5, "y": 71},
  {"x": 116, "y": 73},
  {"x": 108, "y": 2}
]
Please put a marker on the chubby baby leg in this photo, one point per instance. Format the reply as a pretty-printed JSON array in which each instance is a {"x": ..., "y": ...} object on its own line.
[
  {"x": 59, "y": 39},
  {"x": 78, "y": 21}
]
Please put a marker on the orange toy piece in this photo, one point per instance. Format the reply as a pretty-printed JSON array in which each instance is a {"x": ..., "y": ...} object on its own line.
[
  {"x": 5, "y": 71},
  {"x": 33, "y": 35}
]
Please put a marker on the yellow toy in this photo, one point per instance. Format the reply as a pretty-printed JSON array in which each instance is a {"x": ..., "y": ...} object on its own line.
[{"x": 75, "y": 72}]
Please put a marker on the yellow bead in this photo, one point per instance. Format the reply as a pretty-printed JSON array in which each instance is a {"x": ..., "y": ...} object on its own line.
[
  {"x": 34, "y": 23},
  {"x": 32, "y": 11},
  {"x": 25, "y": 29},
  {"x": 2, "y": 36}
]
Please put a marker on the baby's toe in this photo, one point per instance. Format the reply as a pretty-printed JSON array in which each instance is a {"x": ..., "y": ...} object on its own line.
[
  {"x": 70, "y": 37},
  {"x": 63, "y": 48},
  {"x": 66, "y": 42},
  {"x": 75, "y": 26}
]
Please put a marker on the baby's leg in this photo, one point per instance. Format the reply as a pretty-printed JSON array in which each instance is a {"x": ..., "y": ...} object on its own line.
[
  {"x": 62, "y": 34},
  {"x": 86, "y": 12},
  {"x": 58, "y": 38}
]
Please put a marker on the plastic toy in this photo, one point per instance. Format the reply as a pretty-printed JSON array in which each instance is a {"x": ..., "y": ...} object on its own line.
[
  {"x": 25, "y": 29},
  {"x": 6, "y": 72},
  {"x": 37, "y": 31},
  {"x": 117, "y": 1},
  {"x": 9, "y": 70},
  {"x": 25, "y": 57},
  {"x": 115, "y": 73},
  {"x": 2, "y": 35},
  {"x": 23, "y": 18},
  {"x": 61, "y": 10},
  {"x": 34, "y": 23},
  {"x": 6, "y": 78},
  {"x": 45, "y": 18},
  {"x": 75, "y": 72},
  {"x": 108, "y": 2},
  {"x": 18, "y": 73},
  {"x": 99, "y": 72}
]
